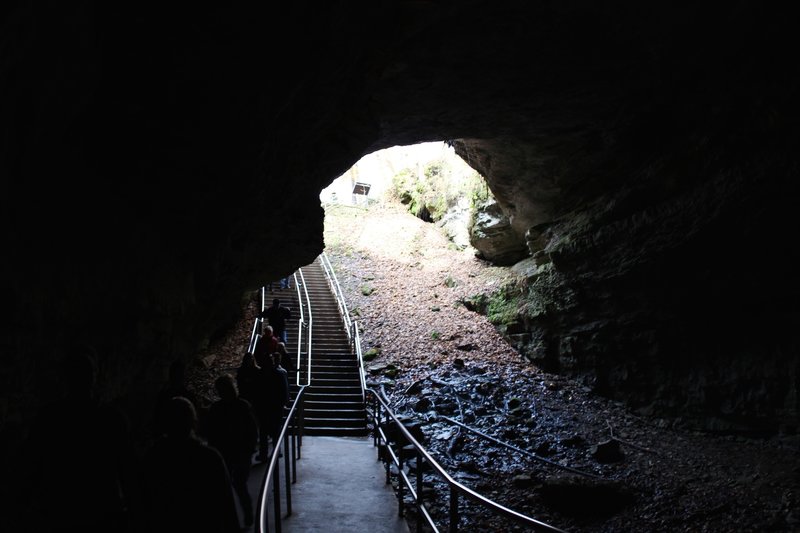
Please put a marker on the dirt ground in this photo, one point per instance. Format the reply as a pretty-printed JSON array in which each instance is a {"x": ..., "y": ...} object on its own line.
[{"x": 568, "y": 457}]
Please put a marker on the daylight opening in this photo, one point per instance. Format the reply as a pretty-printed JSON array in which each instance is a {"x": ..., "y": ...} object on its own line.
[{"x": 429, "y": 180}]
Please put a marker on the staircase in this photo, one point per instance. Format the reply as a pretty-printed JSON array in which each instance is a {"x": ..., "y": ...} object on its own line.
[{"x": 333, "y": 402}]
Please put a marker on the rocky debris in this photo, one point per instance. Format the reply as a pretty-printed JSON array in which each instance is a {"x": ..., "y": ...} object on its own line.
[{"x": 608, "y": 451}]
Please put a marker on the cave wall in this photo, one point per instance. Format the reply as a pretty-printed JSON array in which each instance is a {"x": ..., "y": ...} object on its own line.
[
  {"x": 159, "y": 164},
  {"x": 660, "y": 272},
  {"x": 676, "y": 297}
]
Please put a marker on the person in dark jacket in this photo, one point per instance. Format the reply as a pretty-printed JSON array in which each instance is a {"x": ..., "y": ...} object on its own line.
[
  {"x": 286, "y": 359},
  {"x": 175, "y": 386},
  {"x": 276, "y": 316},
  {"x": 248, "y": 379},
  {"x": 233, "y": 431},
  {"x": 186, "y": 484},
  {"x": 272, "y": 398}
]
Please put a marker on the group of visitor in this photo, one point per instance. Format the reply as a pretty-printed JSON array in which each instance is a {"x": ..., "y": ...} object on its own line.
[{"x": 83, "y": 472}]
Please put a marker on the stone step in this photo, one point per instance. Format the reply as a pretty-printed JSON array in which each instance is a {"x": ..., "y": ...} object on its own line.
[
  {"x": 344, "y": 414},
  {"x": 336, "y": 432},
  {"x": 341, "y": 423},
  {"x": 340, "y": 399}
]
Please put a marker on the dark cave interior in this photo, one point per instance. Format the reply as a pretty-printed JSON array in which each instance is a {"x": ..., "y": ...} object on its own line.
[{"x": 160, "y": 163}]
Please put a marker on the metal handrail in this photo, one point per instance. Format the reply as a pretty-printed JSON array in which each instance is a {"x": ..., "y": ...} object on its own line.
[
  {"x": 290, "y": 453},
  {"x": 251, "y": 347},
  {"x": 300, "y": 325},
  {"x": 361, "y": 373},
  {"x": 333, "y": 281},
  {"x": 351, "y": 326},
  {"x": 295, "y": 432},
  {"x": 303, "y": 323},
  {"x": 380, "y": 408}
]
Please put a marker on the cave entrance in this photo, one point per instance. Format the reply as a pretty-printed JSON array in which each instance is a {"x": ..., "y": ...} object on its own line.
[{"x": 429, "y": 180}]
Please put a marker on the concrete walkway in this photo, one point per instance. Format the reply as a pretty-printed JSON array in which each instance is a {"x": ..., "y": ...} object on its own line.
[{"x": 341, "y": 487}]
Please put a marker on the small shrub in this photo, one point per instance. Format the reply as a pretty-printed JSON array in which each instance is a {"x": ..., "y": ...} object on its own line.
[
  {"x": 371, "y": 354},
  {"x": 366, "y": 290}
]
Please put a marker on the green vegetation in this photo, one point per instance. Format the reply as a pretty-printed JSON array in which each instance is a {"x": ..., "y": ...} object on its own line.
[
  {"x": 371, "y": 354},
  {"x": 435, "y": 335},
  {"x": 437, "y": 188},
  {"x": 366, "y": 290},
  {"x": 500, "y": 307}
]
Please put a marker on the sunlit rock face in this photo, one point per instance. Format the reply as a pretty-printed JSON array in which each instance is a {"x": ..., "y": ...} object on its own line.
[
  {"x": 493, "y": 237},
  {"x": 157, "y": 167}
]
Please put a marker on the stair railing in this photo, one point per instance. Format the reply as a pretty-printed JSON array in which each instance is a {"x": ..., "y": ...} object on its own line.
[
  {"x": 382, "y": 417},
  {"x": 290, "y": 447},
  {"x": 333, "y": 281},
  {"x": 291, "y": 434},
  {"x": 303, "y": 323},
  {"x": 251, "y": 348},
  {"x": 361, "y": 374},
  {"x": 350, "y": 326}
]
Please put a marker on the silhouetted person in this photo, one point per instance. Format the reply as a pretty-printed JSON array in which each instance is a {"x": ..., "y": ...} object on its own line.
[
  {"x": 286, "y": 359},
  {"x": 248, "y": 379},
  {"x": 279, "y": 399},
  {"x": 282, "y": 392},
  {"x": 80, "y": 467},
  {"x": 267, "y": 342},
  {"x": 175, "y": 386},
  {"x": 276, "y": 316},
  {"x": 272, "y": 396},
  {"x": 233, "y": 431},
  {"x": 261, "y": 402},
  {"x": 186, "y": 485}
]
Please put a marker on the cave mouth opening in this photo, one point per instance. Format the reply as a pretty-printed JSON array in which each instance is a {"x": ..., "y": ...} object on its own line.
[{"x": 429, "y": 178}]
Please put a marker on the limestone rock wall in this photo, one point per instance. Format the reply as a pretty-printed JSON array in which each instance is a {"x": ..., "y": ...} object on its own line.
[{"x": 673, "y": 290}]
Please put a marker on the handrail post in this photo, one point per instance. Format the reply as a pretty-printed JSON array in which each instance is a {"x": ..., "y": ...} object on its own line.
[
  {"x": 400, "y": 480},
  {"x": 294, "y": 447},
  {"x": 386, "y": 445},
  {"x": 263, "y": 517},
  {"x": 300, "y": 426},
  {"x": 287, "y": 474},
  {"x": 420, "y": 501},
  {"x": 276, "y": 496},
  {"x": 376, "y": 422},
  {"x": 454, "y": 518}
]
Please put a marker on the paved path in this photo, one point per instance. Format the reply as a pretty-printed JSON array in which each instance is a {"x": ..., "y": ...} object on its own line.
[{"x": 340, "y": 488}]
